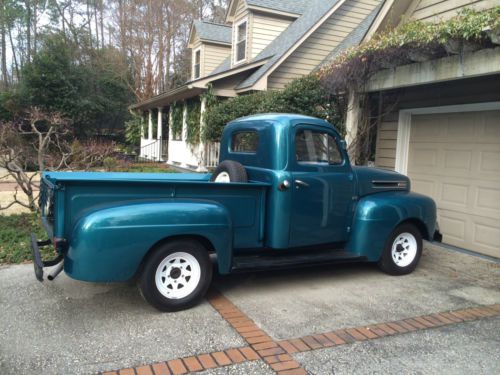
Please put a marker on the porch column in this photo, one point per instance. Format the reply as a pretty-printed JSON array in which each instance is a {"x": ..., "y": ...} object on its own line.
[
  {"x": 184, "y": 121},
  {"x": 170, "y": 134},
  {"x": 150, "y": 124},
  {"x": 159, "y": 128},
  {"x": 351, "y": 124},
  {"x": 203, "y": 108},
  {"x": 202, "y": 151},
  {"x": 142, "y": 125}
]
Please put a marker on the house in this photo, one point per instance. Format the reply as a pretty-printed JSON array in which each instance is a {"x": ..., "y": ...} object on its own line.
[
  {"x": 263, "y": 45},
  {"x": 439, "y": 123}
]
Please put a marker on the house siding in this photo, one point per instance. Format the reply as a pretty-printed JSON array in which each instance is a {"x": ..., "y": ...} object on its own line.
[
  {"x": 318, "y": 46},
  {"x": 436, "y": 10},
  {"x": 474, "y": 90},
  {"x": 213, "y": 56},
  {"x": 264, "y": 30}
]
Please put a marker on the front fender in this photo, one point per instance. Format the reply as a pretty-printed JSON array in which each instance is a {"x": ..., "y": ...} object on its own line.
[
  {"x": 377, "y": 215},
  {"x": 109, "y": 244}
]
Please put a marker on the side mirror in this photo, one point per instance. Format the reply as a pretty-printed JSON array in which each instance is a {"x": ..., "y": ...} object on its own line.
[{"x": 343, "y": 144}]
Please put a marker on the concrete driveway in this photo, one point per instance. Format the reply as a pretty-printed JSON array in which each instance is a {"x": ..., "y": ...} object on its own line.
[{"x": 292, "y": 322}]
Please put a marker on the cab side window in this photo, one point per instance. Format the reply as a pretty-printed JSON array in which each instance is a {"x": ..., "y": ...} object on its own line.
[{"x": 316, "y": 147}]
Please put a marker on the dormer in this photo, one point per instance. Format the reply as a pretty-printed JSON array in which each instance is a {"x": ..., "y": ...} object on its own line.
[
  {"x": 210, "y": 45},
  {"x": 256, "y": 23}
]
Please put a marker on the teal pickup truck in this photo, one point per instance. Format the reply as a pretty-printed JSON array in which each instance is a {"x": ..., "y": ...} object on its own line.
[{"x": 283, "y": 195}]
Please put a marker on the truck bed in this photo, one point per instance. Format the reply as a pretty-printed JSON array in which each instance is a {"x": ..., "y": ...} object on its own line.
[{"x": 78, "y": 194}]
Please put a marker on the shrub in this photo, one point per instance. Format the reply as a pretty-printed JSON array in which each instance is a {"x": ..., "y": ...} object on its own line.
[{"x": 303, "y": 96}]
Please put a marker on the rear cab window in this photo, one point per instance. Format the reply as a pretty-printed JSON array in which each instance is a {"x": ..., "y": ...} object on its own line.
[{"x": 246, "y": 141}]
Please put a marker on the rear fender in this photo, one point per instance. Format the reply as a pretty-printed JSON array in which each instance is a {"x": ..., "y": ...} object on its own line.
[
  {"x": 377, "y": 215},
  {"x": 110, "y": 244}
]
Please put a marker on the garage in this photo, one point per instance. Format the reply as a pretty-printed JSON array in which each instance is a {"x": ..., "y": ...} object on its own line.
[{"x": 455, "y": 158}]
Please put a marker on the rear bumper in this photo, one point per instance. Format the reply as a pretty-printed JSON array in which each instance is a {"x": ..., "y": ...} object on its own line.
[{"x": 38, "y": 263}]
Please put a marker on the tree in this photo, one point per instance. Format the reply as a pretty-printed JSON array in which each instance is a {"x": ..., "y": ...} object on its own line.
[{"x": 37, "y": 141}]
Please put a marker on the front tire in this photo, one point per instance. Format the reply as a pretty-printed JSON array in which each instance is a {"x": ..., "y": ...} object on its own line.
[
  {"x": 402, "y": 251},
  {"x": 176, "y": 276}
]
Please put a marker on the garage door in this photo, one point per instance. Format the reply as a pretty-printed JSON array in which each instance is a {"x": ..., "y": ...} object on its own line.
[{"x": 455, "y": 158}]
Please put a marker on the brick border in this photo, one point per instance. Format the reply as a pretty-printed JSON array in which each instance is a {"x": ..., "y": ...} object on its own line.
[
  {"x": 376, "y": 331},
  {"x": 277, "y": 354}
]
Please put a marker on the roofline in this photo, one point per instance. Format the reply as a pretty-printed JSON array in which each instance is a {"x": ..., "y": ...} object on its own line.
[
  {"x": 201, "y": 82},
  {"x": 301, "y": 40},
  {"x": 149, "y": 103},
  {"x": 388, "y": 6},
  {"x": 213, "y": 41},
  {"x": 273, "y": 11}
]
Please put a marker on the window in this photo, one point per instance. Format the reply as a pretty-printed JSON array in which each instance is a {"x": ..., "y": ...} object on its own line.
[
  {"x": 196, "y": 67},
  {"x": 245, "y": 141},
  {"x": 241, "y": 41},
  {"x": 314, "y": 147}
]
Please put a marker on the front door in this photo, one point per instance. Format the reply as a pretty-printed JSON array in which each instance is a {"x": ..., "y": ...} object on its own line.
[{"x": 323, "y": 188}]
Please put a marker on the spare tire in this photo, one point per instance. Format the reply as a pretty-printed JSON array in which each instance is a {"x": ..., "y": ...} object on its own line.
[{"x": 229, "y": 171}]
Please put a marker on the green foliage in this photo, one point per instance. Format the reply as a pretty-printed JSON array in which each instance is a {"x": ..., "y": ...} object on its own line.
[
  {"x": 176, "y": 126},
  {"x": 304, "y": 96},
  {"x": 10, "y": 104},
  {"x": 410, "y": 42},
  {"x": 133, "y": 130},
  {"x": 14, "y": 238},
  {"x": 92, "y": 90},
  {"x": 145, "y": 168},
  {"x": 193, "y": 122}
]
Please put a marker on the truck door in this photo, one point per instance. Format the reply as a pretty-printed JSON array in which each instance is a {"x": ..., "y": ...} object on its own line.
[{"x": 323, "y": 187}]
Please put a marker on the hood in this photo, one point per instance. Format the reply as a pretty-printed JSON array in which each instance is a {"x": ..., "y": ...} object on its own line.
[{"x": 376, "y": 180}]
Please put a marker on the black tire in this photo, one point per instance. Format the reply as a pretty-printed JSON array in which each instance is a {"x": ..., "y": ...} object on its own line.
[
  {"x": 153, "y": 294},
  {"x": 235, "y": 170},
  {"x": 400, "y": 238}
]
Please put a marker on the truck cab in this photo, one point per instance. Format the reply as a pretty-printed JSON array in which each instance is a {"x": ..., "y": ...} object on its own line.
[{"x": 284, "y": 195}]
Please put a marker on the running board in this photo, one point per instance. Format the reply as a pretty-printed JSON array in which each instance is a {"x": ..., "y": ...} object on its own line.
[{"x": 292, "y": 260}]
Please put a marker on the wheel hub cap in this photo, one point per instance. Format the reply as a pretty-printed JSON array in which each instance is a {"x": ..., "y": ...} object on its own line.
[
  {"x": 178, "y": 275},
  {"x": 404, "y": 249}
]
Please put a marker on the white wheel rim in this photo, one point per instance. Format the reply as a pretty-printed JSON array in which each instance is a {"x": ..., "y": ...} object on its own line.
[
  {"x": 223, "y": 177},
  {"x": 178, "y": 275},
  {"x": 404, "y": 249}
]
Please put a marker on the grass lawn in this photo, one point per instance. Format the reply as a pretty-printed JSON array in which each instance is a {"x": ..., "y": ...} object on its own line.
[
  {"x": 146, "y": 168},
  {"x": 15, "y": 233}
]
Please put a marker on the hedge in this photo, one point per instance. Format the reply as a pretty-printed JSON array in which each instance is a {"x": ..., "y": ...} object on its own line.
[{"x": 303, "y": 96}]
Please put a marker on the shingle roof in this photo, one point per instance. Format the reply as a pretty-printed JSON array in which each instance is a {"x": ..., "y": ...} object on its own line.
[
  {"x": 284, "y": 42},
  {"x": 289, "y": 6},
  {"x": 213, "y": 31}
]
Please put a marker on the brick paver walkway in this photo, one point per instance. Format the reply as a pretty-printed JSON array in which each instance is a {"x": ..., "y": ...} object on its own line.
[{"x": 277, "y": 354}]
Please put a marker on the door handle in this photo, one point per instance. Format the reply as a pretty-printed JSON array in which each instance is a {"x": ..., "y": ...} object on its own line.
[{"x": 301, "y": 183}]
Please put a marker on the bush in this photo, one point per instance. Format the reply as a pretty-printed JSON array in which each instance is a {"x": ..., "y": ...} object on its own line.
[{"x": 303, "y": 96}]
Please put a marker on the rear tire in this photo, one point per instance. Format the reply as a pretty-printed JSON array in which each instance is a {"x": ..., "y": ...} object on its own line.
[
  {"x": 229, "y": 171},
  {"x": 402, "y": 251},
  {"x": 176, "y": 276}
]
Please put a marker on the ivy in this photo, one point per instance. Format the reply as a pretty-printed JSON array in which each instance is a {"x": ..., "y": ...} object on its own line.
[
  {"x": 193, "y": 122},
  {"x": 413, "y": 41},
  {"x": 176, "y": 125}
]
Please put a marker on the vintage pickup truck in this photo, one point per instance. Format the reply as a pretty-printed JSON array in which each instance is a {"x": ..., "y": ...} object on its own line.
[{"x": 283, "y": 195}]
